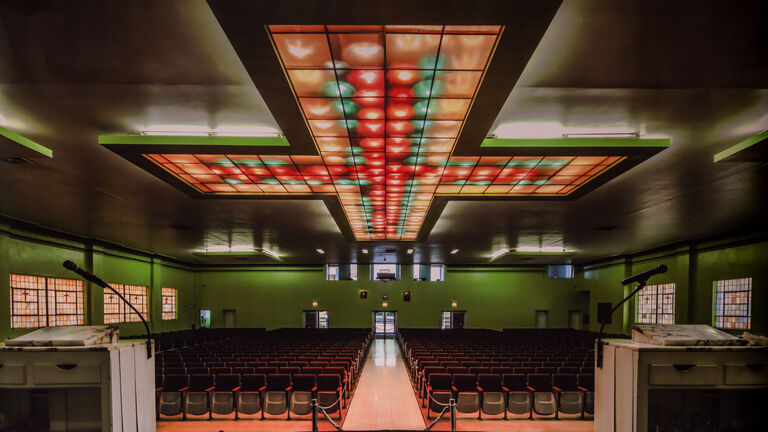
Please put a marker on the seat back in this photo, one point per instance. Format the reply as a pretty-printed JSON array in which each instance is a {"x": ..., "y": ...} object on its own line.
[
  {"x": 227, "y": 382},
  {"x": 234, "y": 364},
  {"x": 465, "y": 382},
  {"x": 514, "y": 382},
  {"x": 453, "y": 370},
  {"x": 278, "y": 382},
  {"x": 312, "y": 370},
  {"x": 221, "y": 370},
  {"x": 523, "y": 370},
  {"x": 172, "y": 383},
  {"x": 243, "y": 370},
  {"x": 565, "y": 382},
  {"x": 531, "y": 364},
  {"x": 266, "y": 370},
  {"x": 198, "y": 371},
  {"x": 568, "y": 370},
  {"x": 540, "y": 382},
  {"x": 501, "y": 370},
  {"x": 289, "y": 370},
  {"x": 489, "y": 382},
  {"x": 335, "y": 370},
  {"x": 477, "y": 370},
  {"x": 303, "y": 382},
  {"x": 546, "y": 370},
  {"x": 328, "y": 382},
  {"x": 584, "y": 380},
  {"x": 440, "y": 381},
  {"x": 199, "y": 383},
  {"x": 252, "y": 382},
  {"x": 175, "y": 371}
]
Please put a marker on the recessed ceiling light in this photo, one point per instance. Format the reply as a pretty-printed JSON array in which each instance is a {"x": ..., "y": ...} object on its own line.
[
  {"x": 454, "y": 252},
  {"x": 320, "y": 251},
  {"x": 499, "y": 253},
  {"x": 365, "y": 251},
  {"x": 409, "y": 251}
]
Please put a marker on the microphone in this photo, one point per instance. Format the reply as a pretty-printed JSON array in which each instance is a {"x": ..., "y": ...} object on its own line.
[
  {"x": 643, "y": 276},
  {"x": 69, "y": 265}
]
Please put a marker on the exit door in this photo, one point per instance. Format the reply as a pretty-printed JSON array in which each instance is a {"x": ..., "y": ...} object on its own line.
[{"x": 384, "y": 324}]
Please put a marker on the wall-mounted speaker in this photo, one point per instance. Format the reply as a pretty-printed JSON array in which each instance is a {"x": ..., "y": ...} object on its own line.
[
  {"x": 406, "y": 296},
  {"x": 363, "y": 294}
]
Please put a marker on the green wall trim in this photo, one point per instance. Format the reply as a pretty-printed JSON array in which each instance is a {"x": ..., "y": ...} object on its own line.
[
  {"x": 194, "y": 140},
  {"x": 575, "y": 142},
  {"x": 26, "y": 142},
  {"x": 747, "y": 143}
]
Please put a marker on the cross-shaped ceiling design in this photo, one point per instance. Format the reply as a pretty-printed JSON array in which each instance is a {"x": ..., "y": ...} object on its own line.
[{"x": 385, "y": 106}]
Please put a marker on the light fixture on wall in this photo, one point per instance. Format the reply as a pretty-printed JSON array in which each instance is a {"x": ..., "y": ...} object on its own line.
[
  {"x": 320, "y": 251},
  {"x": 314, "y": 303},
  {"x": 384, "y": 304},
  {"x": 454, "y": 252},
  {"x": 454, "y": 304}
]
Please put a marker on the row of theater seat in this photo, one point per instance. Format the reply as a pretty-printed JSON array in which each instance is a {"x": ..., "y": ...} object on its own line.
[
  {"x": 224, "y": 394},
  {"x": 270, "y": 372},
  {"x": 493, "y": 394},
  {"x": 547, "y": 373}
]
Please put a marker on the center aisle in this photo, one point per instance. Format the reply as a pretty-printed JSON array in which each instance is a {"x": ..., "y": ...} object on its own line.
[{"x": 384, "y": 398}]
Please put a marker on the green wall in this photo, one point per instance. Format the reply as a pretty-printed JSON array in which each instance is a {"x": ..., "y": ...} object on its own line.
[
  {"x": 494, "y": 297},
  {"x": 35, "y": 254}
]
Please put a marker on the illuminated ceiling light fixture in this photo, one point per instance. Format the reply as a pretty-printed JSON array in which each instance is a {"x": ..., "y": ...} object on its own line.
[
  {"x": 365, "y": 251},
  {"x": 271, "y": 253},
  {"x": 320, "y": 251},
  {"x": 409, "y": 251},
  {"x": 551, "y": 250},
  {"x": 498, "y": 254},
  {"x": 602, "y": 135},
  {"x": 454, "y": 252}
]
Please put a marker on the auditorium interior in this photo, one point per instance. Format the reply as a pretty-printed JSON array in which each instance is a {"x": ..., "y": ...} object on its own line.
[{"x": 222, "y": 215}]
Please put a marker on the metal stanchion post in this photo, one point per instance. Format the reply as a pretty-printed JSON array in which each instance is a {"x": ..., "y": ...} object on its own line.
[
  {"x": 452, "y": 404},
  {"x": 314, "y": 415}
]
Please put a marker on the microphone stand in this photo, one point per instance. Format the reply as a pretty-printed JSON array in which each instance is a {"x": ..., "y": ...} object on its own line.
[
  {"x": 69, "y": 265},
  {"x": 600, "y": 342}
]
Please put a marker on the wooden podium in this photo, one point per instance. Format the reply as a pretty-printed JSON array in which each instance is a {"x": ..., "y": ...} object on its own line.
[
  {"x": 107, "y": 387},
  {"x": 645, "y": 387}
]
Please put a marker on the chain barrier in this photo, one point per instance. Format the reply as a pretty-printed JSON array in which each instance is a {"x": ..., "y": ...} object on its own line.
[
  {"x": 316, "y": 406},
  {"x": 451, "y": 405}
]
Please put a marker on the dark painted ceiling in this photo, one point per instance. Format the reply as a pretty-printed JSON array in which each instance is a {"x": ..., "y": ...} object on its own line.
[{"x": 695, "y": 72}]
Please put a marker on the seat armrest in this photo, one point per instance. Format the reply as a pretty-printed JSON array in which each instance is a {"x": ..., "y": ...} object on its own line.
[
  {"x": 210, "y": 388},
  {"x": 582, "y": 388},
  {"x": 454, "y": 388},
  {"x": 504, "y": 388},
  {"x": 314, "y": 388},
  {"x": 184, "y": 389},
  {"x": 263, "y": 388},
  {"x": 479, "y": 388},
  {"x": 557, "y": 388},
  {"x": 530, "y": 388},
  {"x": 159, "y": 389},
  {"x": 338, "y": 389},
  {"x": 429, "y": 389},
  {"x": 288, "y": 388},
  {"x": 236, "y": 388}
]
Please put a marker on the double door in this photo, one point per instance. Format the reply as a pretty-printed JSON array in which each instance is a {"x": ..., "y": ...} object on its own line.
[{"x": 384, "y": 323}]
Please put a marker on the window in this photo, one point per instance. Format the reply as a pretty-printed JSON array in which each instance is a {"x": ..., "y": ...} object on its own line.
[
  {"x": 564, "y": 271},
  {"x": 331, "y": 272},
  {"x": 446, "y": 320},
  {"x": 335, "y": 272},
  {"x": 38, "y": 301},
  {"x": 733, "y": 303},
  {"x": 385, "y": 271},
  {"x": 430, "y": 272},
  {"x": 168, "y": 297},
  {"x": 322, "y": 319},
  {"x": 656, "y": 304},
  {"x": 116, "y": 311},
  {"x": 436, "y": 273}
]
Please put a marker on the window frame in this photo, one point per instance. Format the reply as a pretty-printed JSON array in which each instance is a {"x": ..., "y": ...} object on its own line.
[
  {"x": 373, "y": 272},
  {"x": 172, "y": 295},
  {"x": 126, "y": 313},
  {"x": 46, "y": 297},
  {"x": 657, "y": 312},
  {"x": 717, "y": 308}
]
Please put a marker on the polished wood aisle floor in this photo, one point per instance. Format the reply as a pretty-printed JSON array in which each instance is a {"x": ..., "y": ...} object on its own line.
[{"x": 384, "y": 398}]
